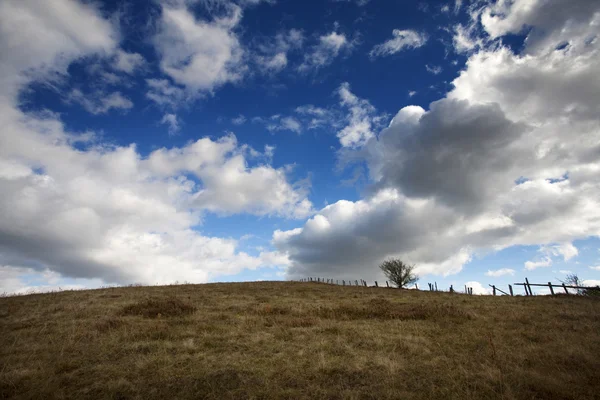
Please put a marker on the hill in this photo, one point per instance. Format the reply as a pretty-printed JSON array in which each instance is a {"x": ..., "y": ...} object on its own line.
[{"x": 296, "y": 340}]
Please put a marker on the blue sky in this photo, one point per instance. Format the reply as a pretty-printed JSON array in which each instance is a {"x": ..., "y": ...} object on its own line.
[{"x": 218, "y": 140}]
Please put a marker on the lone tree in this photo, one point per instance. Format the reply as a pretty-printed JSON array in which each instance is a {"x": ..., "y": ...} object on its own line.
[{"x": 398, "y": 272}]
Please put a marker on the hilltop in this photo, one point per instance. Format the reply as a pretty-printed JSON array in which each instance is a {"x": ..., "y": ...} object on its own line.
[{"x": 296, "y": 340}]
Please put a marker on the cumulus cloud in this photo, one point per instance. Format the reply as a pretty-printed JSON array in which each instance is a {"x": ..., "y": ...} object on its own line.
[
  {"x": 564, "y": 250},
  {"x": 402, "y": 39},
  {"x": 508, "y": 157},
  {"x": 128, "y": 62},
  {"x": 199, "y": 54},
  {"x": 500, "y": 272},
  {"x": 72, "y": 206},
  {"x": 362, "y": 119},
  {"x": 47, "y": 38},
  {"x": 531, "y": 265},
  {"x": 554, "y": 21},
  {"x": 478, "y": 288},
  {"x": 325, "y": 51},
  {"x": 591, "y": 282}
]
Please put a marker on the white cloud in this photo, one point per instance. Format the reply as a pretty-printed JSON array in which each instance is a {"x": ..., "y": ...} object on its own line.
[
  {"x": 279, "y": 123},
  {"x": 457, "y": 5},
  {"x": 531, "y": 265},
  {"x": 99, "y": 102},
  {"x": 500, "y": 272},
  {"x": 465, "y": 39},
  {"x": 47, "y": 38},
  {"x": 139, "y": 211},
  {"x": 478, "y": 288},
  {"x": 317, "y": 117},
  {"x": 165, "y": 94},
  {"x": 200, "y": 55},
  {"x": 273, "y": 63},
  {"x": 239, "y": 120},
  {"x": 172, "y": 121},
  {"x": 555, "y": 21},
  {"x": 325, "y": 51},
  {"x": 434, "y": 69},
  {"x": 412, "y": 93},
  {"x": 402, "y": 39},
  {"x": 128, "y": 62},
  {"x": 566, "y": 250},
  {"x": 272, "y": 55},
  {"x": 508, "y": 157},
  {"x": 596, "y": 268},
  {"x": 591, "y": 282},
  {"x": 18, "y": 280},
  {"x": 361, "y": 121}
]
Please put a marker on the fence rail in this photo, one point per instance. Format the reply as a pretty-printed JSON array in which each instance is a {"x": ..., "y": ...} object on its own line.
[
  {"x": 527, "y": 286},
  {"x": 433, "y": 287}
]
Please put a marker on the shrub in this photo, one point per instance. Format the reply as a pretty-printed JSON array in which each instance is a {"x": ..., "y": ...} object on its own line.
[{"x": 398, "y": 272}]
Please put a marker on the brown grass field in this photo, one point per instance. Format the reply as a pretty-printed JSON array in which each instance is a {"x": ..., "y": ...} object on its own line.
[{"x": 288, "y": 340}]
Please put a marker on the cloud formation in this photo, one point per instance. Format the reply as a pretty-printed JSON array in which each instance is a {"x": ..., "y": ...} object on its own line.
[
  {"x": 325, "y": 51},
  {"x": 508, "y": 157},
  {"x": 199, "y": 54},
  {"x": 401, "y": 39},
  {"x": 73, "y": 206}
]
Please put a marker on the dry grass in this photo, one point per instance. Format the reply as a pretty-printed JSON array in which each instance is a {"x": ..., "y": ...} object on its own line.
[{"x": 296, "y": 340}]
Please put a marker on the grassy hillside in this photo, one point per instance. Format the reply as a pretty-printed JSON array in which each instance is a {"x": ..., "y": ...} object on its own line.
[{"x": 297, "y": 340}]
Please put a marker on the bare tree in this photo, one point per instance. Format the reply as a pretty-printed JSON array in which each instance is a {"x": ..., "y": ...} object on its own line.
[
  {"x": 398, "y": 272},
  {"x": 573, "y": 280}
]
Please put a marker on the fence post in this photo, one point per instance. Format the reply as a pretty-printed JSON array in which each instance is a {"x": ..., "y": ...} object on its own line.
[
  {"x": 416, "y": 287},
  {"x": 436, "y": 287},
  {"x": 364, "y": 283},
  {"x": 510, "y": 289},
  {"x": 529, "y": 286},
  {"x": 376, "y": 285},
  {"x": 451, "y": 289},
  {"x": 356, "y": 282},
  {"x": 471, "y": 291},
  {"x": 494, "y": 289},
  {"x": 564, "y": 287},
  {"x": 387, "y": 283},
  {"x": 551, "y": 288}
]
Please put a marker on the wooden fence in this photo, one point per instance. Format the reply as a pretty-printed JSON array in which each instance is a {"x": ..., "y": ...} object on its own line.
[{"x": 433, "y": 287}]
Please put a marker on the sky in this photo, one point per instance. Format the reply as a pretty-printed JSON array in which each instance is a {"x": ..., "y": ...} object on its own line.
[{"x": 169, "y": 141}]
